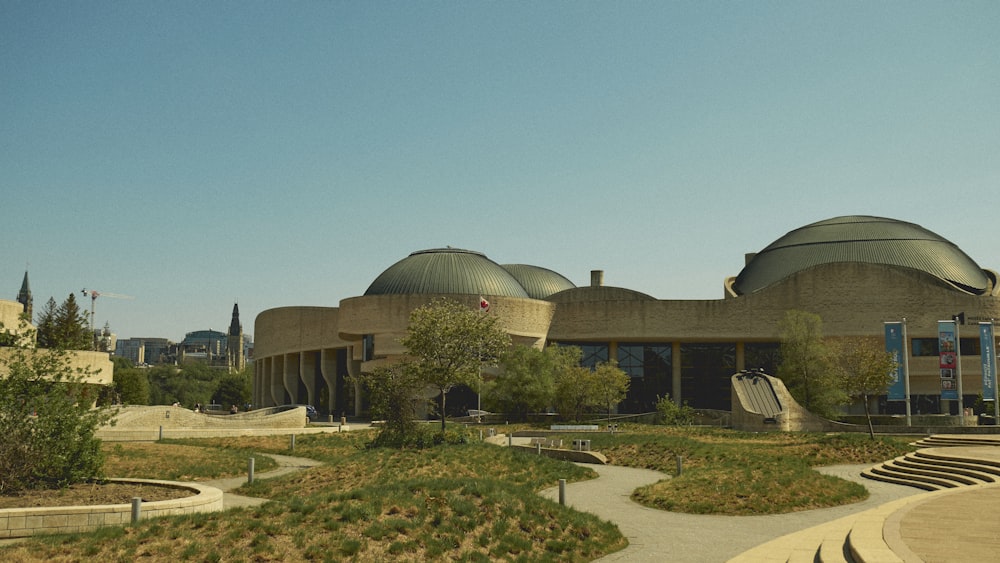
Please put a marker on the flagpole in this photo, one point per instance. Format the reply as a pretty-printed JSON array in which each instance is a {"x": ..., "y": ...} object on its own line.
[
  {"x": 906, "y": 373},
  {"x": 958, "y": 372}
]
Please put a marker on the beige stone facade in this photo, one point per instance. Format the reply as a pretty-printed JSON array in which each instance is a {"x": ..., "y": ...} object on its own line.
[
  {"x": 695, "y": 344},
  {"x": 97, "y": 366}
]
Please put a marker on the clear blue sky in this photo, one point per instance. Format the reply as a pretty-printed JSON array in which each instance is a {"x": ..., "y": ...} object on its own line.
[{"x": 197, "y": 154}]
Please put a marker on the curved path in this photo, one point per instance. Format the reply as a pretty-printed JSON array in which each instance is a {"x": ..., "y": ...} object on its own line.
[
  {"x": 656, "y": 535},
  {"x": 286, "y": 464}
]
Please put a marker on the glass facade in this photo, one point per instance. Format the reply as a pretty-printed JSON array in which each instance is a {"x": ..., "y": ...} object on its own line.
[
  {"x": 705, "y": 373},
  {"x": 650, "y": 367},
  {"x": 763, "y": 355}
]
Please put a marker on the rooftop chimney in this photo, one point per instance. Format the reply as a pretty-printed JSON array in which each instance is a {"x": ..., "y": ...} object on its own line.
[{"x": 596, "y": 278}]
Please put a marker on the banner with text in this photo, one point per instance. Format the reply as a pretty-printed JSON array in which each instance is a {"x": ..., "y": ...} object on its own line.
[
  {"x": 894, "y": 346},
  {"x": 988, "y": 354},
  {"x": 948, "y": 350}
]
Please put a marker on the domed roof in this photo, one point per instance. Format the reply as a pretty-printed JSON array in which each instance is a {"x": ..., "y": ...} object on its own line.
[
  {"x": 446, "y": 270},
  {"x": 865, "y": 239},
  {"x": 537, "y": 281}
]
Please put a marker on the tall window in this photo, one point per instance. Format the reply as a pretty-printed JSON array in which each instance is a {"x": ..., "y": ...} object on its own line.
[
  {"x": 705, "y": 373},
  {"x": 650, "y": 367}
]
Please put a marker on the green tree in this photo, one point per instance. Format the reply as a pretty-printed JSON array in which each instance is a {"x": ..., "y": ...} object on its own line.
[
  {"x": 72, "y": 330},
  {"x": 47, "y": 423},
  {"x": 527, "y": 382},
  {"x": 579, "y": 389},
  {"x": 805, "y": 364},
  {"x": 46, "y": 332},
  {"x": 130, "y": 385},
  {"x": 235, "y": 388},
  {"x": 193, "y": 382},
  {"x": 864, "y": 368},
  {"x": 610, "y": 385},
  {"x": 449, "y": 344},
  {"x": 394, "y": 394}
]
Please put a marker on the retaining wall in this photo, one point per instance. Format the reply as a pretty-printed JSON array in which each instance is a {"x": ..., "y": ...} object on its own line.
[{"x": 24, "y": 522}]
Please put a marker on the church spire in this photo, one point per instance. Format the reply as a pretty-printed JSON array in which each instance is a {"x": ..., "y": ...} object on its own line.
[
  {"x": 234, "y": 327},
  {"x": 24, "y": 296}
]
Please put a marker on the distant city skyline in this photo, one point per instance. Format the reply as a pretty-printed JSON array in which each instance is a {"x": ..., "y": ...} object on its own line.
[{"x": 195, "y": 155}]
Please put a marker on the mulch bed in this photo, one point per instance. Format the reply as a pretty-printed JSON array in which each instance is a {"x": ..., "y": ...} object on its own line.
[{"x": 87, "y": 494}]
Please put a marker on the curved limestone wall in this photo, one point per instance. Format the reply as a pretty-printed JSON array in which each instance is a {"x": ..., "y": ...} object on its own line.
[{"x": 23, "y": 522}]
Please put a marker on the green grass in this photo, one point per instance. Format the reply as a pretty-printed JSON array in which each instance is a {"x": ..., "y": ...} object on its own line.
[
  {"x": 176, "y": 460},
  {"x": 736, "y": 473},
  {"x": 473, "y": 502}
]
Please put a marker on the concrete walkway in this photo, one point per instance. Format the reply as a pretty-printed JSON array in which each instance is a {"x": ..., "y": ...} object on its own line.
[
  {"x": 657, "y": 535},
  {"x": 286, "y": 464}
]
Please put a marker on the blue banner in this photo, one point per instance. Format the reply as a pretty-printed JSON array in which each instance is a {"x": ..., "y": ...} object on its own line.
[
  {"x": 948, "y": 363},
  {"x": 986, "y": 345},
  {"x": 894, "y": 346}
]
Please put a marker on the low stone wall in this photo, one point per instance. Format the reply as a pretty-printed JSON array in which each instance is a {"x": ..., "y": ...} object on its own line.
[
  {"x": 24, "y": 522},
  {"x": 567, "y": 455},
  {"x": 142, "y": 423}
]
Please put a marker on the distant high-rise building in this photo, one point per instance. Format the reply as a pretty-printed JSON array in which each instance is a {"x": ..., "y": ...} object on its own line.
[{"x": 24, "y": 296}]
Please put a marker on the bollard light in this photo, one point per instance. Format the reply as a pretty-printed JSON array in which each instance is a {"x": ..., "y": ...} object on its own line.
[
  {"x": 562, "y": 492},
  {"x": 250, "y": 471},
  {"x": 136, "y": 509}
]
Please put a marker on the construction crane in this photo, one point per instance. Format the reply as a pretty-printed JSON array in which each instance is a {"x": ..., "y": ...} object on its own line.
[{"x": 94, "y": 294}]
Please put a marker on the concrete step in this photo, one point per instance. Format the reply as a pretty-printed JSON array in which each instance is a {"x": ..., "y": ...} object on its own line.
[
  {"x": 957, "y": 476},
  {"x": 977, "y": 472},
  {"x": 887, "y": 477}
]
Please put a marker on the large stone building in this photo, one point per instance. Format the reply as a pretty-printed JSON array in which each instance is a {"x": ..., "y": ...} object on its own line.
[{"x": 856, "y": 272}]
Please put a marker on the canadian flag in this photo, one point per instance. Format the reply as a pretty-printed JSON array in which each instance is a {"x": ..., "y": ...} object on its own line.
[{"x": 484, "y": 305}]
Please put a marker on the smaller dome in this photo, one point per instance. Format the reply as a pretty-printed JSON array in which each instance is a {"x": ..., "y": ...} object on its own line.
[
  {"x": 446, "y": 271},
  {"x": 537, "y": 281}
]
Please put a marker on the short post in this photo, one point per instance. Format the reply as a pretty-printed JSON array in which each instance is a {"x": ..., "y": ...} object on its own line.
[
  {"x": 291, "y": 445},
  {"x": 562, "y": 492},
  {"x": 680, "y": 460},
  {"x": 538, "y": 448},
  {"x": 136, "y": 509},
  {"x": 510, "y": 440},
  {"x": 161, "y": 432},
  {"x": 480, "y": 434},
  {"x": 250, "y": 471},
  {"x": 329, "y": 419}
]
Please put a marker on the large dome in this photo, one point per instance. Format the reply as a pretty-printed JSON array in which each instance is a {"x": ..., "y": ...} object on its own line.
[
  {"x": 873, "y": 240},
  {"x": 446, "y": 270},
  {"x": 537, "y": 281}
]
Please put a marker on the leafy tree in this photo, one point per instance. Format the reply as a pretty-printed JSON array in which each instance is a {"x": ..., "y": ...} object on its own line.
[
  {"x": 580, "y": 389},
  {"x": 610, "y": 385},
  {"x": 805, "y": 364},
  {"x": 394, "y": 393},
  {"x": 234, "y": 388},
  {"x": 193, "y": 382},
  {"x": 527, "y": 382},
  {"x": 130, "y": 385},
  {"x": 47, "y": 425},
  {"x": 449, "y": 344},
  {"x": 865, "y": 370}
]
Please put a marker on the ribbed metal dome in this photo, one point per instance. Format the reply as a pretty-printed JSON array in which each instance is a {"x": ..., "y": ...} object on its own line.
[
  {"x": 446, "y": 270},
  {"x": 537, "y": 281},
  {"x": 859, "y": 238}
]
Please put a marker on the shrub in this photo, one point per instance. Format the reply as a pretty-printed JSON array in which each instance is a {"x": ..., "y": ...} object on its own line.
[
  {"x": 47, "y": 425},
  {"x": 672, "y": 414}
]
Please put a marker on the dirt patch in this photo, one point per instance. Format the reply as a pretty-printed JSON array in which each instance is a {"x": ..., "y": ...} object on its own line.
[{"x": 88, "y": 494}]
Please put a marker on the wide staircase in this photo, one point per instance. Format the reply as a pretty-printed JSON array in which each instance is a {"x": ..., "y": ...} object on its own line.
[{"x": 943, "y": 466}]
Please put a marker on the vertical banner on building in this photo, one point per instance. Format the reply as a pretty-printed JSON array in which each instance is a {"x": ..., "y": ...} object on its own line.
[
  {"x": 948, "y": 353},
  {"x": 988, "y": 355},
  {"x": 894, "y": 346}
]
